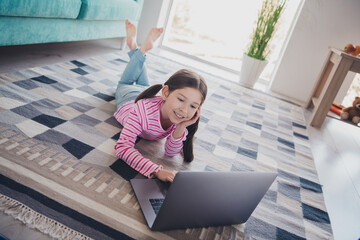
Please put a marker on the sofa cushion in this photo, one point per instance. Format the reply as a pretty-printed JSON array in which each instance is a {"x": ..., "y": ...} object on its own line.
[
  {"x": 24, "y": 30},
  {"x": 110, "y": 9},
  {"x": 40, "y": 8}
]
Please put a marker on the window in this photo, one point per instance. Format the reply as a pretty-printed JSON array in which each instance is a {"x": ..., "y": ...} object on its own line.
[
  {"x": 219, "y": 31},
  {"x": 354, "y": 91}
]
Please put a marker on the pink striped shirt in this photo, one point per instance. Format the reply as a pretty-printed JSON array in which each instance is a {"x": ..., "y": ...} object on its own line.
[{"x": 143, "y": 119}]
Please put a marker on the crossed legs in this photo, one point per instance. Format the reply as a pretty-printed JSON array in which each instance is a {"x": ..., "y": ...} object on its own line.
[{"x": 134, "y": 79}]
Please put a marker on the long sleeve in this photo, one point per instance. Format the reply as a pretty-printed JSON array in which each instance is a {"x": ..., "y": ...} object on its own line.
[
  {"x": 174, "y": 146},
  {"x": 125, "y": 150}
]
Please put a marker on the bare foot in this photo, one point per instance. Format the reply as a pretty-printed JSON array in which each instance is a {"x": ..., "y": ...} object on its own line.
[
  {"x": 153, "y": 35},
  {"x": 130, "y": 35}
]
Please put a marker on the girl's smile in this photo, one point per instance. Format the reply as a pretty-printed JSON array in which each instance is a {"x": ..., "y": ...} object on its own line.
[{"x": 179, "y": 116}]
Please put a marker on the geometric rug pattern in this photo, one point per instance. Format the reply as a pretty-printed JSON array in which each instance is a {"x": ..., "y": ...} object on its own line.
[{"x": 57, "y": 137}]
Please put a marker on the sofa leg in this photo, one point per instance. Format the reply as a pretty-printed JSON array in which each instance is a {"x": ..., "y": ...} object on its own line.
[{"x": 123, "y": 43}]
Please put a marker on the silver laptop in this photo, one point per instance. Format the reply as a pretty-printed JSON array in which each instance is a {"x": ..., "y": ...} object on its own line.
[{"x": 201, "y": 199}]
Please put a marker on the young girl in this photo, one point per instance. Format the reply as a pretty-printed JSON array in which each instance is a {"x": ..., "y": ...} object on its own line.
[{"x": 174, "y": 115}]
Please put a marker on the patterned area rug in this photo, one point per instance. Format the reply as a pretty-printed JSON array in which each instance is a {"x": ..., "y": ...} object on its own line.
[{"x": 57, "y": 137}]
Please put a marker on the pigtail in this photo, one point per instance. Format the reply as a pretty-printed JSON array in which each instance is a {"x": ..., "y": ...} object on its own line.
[
  {"x": 188, "y": 149},
  {"x": 149, "y": 92}
]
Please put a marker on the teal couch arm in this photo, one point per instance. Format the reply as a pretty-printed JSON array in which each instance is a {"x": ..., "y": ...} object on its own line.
[{"x": 40, "y": 8}]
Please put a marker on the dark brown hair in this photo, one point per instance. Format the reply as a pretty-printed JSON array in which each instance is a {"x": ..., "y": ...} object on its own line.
[{"x": 181, "y": 79}]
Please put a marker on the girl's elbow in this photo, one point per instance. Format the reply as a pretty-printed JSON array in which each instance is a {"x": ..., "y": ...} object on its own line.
[{"x": 171, "y": 154}]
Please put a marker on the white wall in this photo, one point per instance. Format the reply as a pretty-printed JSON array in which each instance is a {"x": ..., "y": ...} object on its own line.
[
  {"x": 154, "y": 14},
  {"x": 321, "y": 23}
]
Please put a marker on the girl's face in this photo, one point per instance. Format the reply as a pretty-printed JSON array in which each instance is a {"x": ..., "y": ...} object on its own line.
[{"x": 180, "y": 105}]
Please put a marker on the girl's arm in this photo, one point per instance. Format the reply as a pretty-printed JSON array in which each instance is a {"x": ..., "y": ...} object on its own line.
[
  {"x": 174, "y": 142},
  {"x": 125, "y": 150},
  {"x": 173, "y": 146}
]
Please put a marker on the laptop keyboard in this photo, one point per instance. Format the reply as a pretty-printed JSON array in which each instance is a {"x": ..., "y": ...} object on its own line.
[{"x": 156, "y": 204}]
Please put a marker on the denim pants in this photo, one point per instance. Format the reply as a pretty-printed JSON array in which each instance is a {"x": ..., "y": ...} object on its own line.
[{"x": 134, "y": 79}]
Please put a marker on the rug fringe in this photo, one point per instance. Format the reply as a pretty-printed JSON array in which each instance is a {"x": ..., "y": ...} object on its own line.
[{"x": 33, "y": 219}]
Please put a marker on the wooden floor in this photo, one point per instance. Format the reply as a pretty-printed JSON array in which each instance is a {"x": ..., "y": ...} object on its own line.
[
  {"x": 336, "y": 150},
  {"x": 335, "y": 146}
]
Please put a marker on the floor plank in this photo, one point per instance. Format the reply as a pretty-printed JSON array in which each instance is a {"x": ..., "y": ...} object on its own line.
[
  {"x": 16, "y": 230},
  {"x": 333, "y": 148}
]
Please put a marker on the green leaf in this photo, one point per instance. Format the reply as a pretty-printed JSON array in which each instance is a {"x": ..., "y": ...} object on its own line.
[{"x": 267, "y": 19}]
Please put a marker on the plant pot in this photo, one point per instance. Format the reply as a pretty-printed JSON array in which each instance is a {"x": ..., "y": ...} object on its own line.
[{"x": 250, "y": 70}]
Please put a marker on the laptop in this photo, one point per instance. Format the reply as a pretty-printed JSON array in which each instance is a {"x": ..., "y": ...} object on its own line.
[{"x": 201, "y": 199}]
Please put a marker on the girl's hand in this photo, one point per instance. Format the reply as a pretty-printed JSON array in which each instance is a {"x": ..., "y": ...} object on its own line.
[
  {"x": 165, "y": 175},
  {"x": 192, "y": 120},
  {"x": 180, "y": 128}
]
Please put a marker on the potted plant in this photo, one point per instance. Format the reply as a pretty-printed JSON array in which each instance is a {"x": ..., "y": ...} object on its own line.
[{"x": 254, "y": 60}]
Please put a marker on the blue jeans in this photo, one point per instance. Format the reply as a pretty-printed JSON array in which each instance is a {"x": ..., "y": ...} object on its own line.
[{"x": 134, "y": 79}]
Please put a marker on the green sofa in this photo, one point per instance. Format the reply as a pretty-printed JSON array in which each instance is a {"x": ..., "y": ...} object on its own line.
[{"x": 43, "y": 21}]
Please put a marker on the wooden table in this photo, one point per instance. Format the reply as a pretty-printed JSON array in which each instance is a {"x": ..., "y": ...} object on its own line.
[{"x": 337, "y": 65}]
